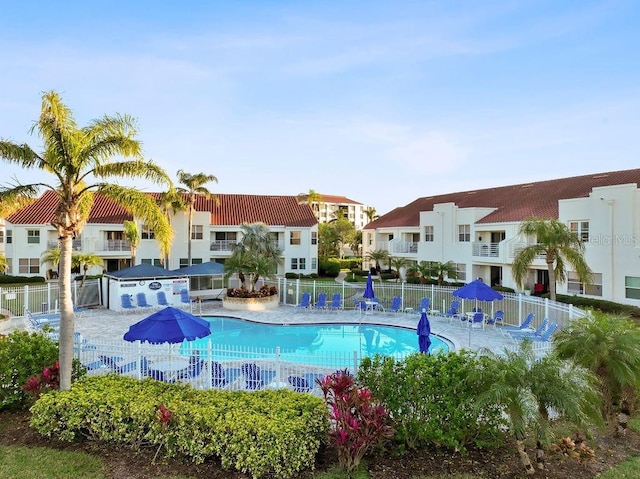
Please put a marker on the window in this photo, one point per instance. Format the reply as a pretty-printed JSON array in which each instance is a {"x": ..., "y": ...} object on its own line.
[
  {"x": 295, "y": 237},
  {"x": 1, "y": 236},
  {"x": 225, "y": 236},
  {"x": 196, "y": 232},
  {"x": 464, "y": 233},
  {"x": 154, "y": 262},
  {"x": 184, "y": 262},
  {"x": 294, "y": 263},
  {"x": 33, "y": 236},
  {"x": 314, "y": 237},
  {"x": 428, "y": 233},
  {"x": 574, "y": 286},
  {"x": 29, "y": 266},
  {"x": 302, "y": 262},
  {"x": 632, "y": 287},
  {"x": 147, "y": 233},
  {"x": 314, "y": 263},
  {"x": 581, "y": 229},
  {"x": 369, "y": 239},
  {"x": 9, "y": 236},
  {"x": 461, "y": 272}
]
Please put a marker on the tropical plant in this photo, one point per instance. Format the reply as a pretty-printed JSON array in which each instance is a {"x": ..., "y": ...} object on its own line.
[
  {"x": 371, "y": 213},
  {"x": 75, "y": 156},
  {"x": 356, "y": 242},
  {"x": 609, "y": 346},
  {"x": 528, "y": 389},
  {"x": 194, "y": 186},
  {"x": 132, "y": 235},
  {"x": 84, "y": 261},
  {"x": 170, "y": 202},
  {"x": 443, "y": 270},
  {"x": 421, "y": 270},
  {"x": 312, "y": 198},
  {"x": 327, "y": 241},
  {"x": 4, "y": 264},
  {"x": 398, "y": 263},
  {"x": 560, "y": 247},
  {"x": 255, "y": 256},
  {"x": 378, "y": 255}
]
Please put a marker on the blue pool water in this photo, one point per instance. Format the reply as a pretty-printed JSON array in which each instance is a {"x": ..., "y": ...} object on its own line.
[{"x": 316, "y": 339}]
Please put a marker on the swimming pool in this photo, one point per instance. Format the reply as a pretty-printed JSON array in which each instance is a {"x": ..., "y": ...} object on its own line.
[{"x": 303, "y": 343}]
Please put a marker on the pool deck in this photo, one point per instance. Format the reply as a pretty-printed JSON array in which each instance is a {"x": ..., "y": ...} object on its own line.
[{"x": 105, "y": 324}]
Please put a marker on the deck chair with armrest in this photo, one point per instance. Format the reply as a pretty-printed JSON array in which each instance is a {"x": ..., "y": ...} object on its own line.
[
  {"x": 546, "y": 336},
  {"x": 305, "y": 302},
  {"x": 162, "y": 299},
  {"x": 141, "y": 299},
  {"x": 299, "y": 384},
  {"x": 498, "y": 317},
  {"x": 185, "y": 300},
  {"x": 525, "y": 326},
  {"x": 527, "y": 333},
  {"x": 452, "y": 313},
  {"x": 336, "y": 302},
  {"x": 478, "y": 318},
  {"x": 321, "y": 303},
  {"x": 126, "y": 304},
  {"x": 396, "y": 305}
]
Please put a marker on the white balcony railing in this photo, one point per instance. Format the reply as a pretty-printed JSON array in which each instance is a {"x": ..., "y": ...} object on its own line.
[
  {"x": 222, "y": 245},
  {"x": 489, "y": 250},
  {"x": 76, "y": 244},
  {"x": 515, "y": 248},
  {"x": 403, "y": 247},
  {"x": 115, "y": 245}
]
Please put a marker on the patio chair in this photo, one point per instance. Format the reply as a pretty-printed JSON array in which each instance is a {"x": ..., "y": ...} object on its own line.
[
  {"x": 111, "y": 363},
  {"x": 193, "y": 370},
  {"x": 321, "y": 303},
  {"x": 452, "y": 312},
  {"x": 525, "y": 326},
  {"x": 305, "y": 302},
  {"x": 477, "y": 318},
  {"x": 336, "y": 302},
  {"x": 141, "y": 299},
  {"x": 299, "y": 384},
  {"x": 525, "y": 333},
  {"x": 185, "y": 300},
  {"x": 218, "y": 376},
  {"x": 396, "y": 305},
  {"x": 424, "y": 304},
  {"x": 126, "y": 304},
  {"x": 546, "y": 336},
  {"x": 252, "y": 376},
  {"x": 39, "y": 322},
  {"x": 360, "y": 305},
  {"x": 162, "y": 299},
  {"x": 377, "y": 305},
  {"x": 498, "y": 317}
]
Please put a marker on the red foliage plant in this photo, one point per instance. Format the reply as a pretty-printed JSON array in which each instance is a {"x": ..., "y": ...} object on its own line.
[
  {"x": 359, "y": 421},
  {"x": 263, "y": 292},
  {"x": 47, "y": 380}
]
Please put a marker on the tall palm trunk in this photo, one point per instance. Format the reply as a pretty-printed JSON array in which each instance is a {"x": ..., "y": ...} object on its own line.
[
  {"x": 552, "y": 278},
  {"x": 189, "y": 232},
  {"x": 66, "y": 313}
]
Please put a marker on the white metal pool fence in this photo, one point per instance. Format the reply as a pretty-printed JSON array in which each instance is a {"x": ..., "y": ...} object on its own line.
[
  {"x": 44, "y": 298},
  {"x": 515, "y": 306}
]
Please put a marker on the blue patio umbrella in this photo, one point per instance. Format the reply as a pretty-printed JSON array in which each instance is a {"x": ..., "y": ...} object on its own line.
[
  {"x": 424, "y": 331},
  {"x": 169, "y": 325},
  {"x": 368, "y": 289},
  {"x": 477, "y": 290}
]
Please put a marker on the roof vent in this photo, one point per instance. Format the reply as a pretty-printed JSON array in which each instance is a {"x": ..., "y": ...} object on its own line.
[
  {"x": 597, "y": 177},
  {"x": 527, "y": 186},
  {"x": 471, "y": 192}
]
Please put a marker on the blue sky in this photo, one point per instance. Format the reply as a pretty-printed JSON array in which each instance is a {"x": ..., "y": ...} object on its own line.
[{"x": 380, "y": 101}]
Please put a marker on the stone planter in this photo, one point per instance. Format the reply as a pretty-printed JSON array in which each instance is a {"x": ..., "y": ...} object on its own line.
[{"x": 251, "y": 304}]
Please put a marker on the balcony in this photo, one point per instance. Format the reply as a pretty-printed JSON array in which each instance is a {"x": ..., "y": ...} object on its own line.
[
  {"x": 114, "y": 245},
  {"x": 403, "y": 247},
  {"x": 222, "y": 245},
  {"x": 76, "y": 244},
  {"x": 515, "y": 248},
  {"x": 487, "y": 250}
]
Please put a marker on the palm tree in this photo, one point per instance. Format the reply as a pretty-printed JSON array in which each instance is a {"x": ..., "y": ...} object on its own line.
[
  {"x": 560, "y": 247},
  {"x": 194, "y": 186},
  {"x": 169, "y": 202},
  {"x": 398, "y": 263},
  {"x": 527, "y": 389},
  {"x": 443, "y": 270},
  {"x": 609, "y": 346},
  {"x": 371, "y": 213},
  {"x": 312, "y": 198},
  {"x": 378, "y": 255},
  {"x": 84, "y": 261},
  {"x": 76, "y": 157},
  {"x": 421, "y": 270},
  {"x": 132, "y": 235},
  {"x": 255, "y": 256},
  {"x": 4, "y": 265}
]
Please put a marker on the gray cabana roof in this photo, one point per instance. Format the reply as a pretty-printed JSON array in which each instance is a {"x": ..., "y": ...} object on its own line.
[
  {"x": 210, "y": 268},
  {"x": 140, "y": 271}
]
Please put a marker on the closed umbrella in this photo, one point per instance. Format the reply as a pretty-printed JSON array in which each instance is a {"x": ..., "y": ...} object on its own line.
[
  {"x": 368, "y": 289},
  {"x": 424, "y": 333},
  {"x": 169, "y": 325}
]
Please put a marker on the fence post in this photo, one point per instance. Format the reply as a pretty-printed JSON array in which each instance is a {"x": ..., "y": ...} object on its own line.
[
  {"x": 210, "y": 355},
  {"x": 297, "y": 301},
  {"x": 313, "y": 289},
  {"x": 278, "y": 365},
  {"x": 355, "y": 363},
  {"x": 519, "y": 309},
  {"x": 26, "y": 299},
  {"x": 546, "y": 309},
  {"x": 402, "y": 294}
]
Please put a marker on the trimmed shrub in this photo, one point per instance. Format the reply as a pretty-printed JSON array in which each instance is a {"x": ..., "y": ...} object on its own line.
[
  {"x": 22, "y": 355},
  {"x": 275, "y": 433},
  {"x": 329, "y": 267},
  {"x": 18, "y": 280},
  {"x": 599, "y": 304},
  {"x": 431, "y": 401}
]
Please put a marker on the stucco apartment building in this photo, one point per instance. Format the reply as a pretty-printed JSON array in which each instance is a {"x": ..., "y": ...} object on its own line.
[
  {"x": 215, "y": 230},
  {"x": 327, "y": 210},
  {"x": 478, "y": 231}
]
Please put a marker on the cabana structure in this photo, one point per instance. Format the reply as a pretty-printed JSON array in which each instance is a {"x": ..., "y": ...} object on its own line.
[
  {"x": 147, "y": 279},
  {"x": 205, "y": 279}
]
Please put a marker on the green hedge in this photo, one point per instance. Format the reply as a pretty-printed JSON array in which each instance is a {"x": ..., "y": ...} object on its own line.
[
  {"x": 599, "y": 304},
  {"x": 329, "y": 267},
  {"x": 261, "y": 433},
  {"x": 20, "y": 280},
  {"x": 431, "y": 401}
]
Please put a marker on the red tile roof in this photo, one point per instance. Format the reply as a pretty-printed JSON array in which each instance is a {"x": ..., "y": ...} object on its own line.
[
  {"x": 232, "y": 210},
  {"x": 512, "y": 203},
  {"x": 338, "y": 200}
]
